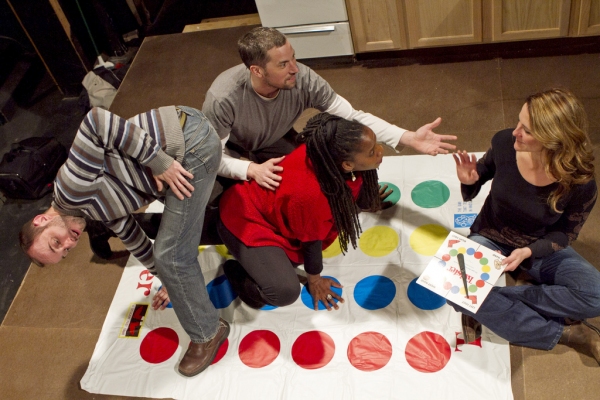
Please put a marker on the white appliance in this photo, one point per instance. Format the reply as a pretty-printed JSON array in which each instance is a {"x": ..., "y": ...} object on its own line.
[{"x": 315, "y": 28}]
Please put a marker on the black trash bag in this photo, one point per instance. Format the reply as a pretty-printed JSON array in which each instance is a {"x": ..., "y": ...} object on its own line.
[{"x": 28, "y": 170}]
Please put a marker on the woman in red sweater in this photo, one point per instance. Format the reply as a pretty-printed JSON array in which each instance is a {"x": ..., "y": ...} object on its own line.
[{"x": 325, "y": 182}]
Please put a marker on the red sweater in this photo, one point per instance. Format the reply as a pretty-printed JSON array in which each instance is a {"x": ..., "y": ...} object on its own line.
[{"x": 295, "y": 212}]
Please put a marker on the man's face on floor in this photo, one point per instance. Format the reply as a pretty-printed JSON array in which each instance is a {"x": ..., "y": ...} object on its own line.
[{"x": 60, "y": 235}]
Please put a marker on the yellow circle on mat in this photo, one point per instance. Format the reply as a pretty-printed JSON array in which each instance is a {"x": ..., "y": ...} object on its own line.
[
  {"x": 333, "y": 250},
  {"x": 223, "y": 251},
  {"x": 462, "y": 250},
  {"x": 427, "y": 239},
  {"x": 486, "y": 268},
  {"x": 378, "y": 241}
]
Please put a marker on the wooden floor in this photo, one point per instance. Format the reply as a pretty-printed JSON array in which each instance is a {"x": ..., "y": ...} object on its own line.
[{"x": 49, "y": 333}]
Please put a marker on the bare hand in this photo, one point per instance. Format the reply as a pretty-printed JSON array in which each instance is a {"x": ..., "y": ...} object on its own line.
[
  {"x": 384, "y": 193},
  {"x": 319, "y": 288},
  {"x": 426, "y": 141},
  {"x": 265, "y": 174},
  {"x": 516, "y": 258},
  {"x": 161, "y": 299},
  {"x": 466, "y": 167},
  {"x": 177, "y": 178}
]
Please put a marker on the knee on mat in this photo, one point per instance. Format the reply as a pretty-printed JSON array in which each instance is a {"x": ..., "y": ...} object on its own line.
[{"x": 284, "y": 295}]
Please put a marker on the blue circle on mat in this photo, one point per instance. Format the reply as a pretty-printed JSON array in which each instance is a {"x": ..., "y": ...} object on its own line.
[
  {"x": 485, "y": 277},
  {"x": 168, "y": 305},
  {"x": 424, "y": 298},
  {"x": 374, "y": 292},
  {"x": 220, "y": 292},
  {"x": 308, "y": 300},
  {"x": 470, "y": 251}
]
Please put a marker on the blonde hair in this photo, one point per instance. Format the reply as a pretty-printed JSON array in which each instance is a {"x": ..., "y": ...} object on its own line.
[{"x": 559, "y": 122}]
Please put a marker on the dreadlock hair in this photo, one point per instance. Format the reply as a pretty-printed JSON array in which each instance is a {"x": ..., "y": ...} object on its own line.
[{"x": 330, "y": 140}]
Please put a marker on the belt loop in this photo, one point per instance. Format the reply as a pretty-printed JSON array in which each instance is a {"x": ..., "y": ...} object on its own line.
[{"x": 182, "y": 116}]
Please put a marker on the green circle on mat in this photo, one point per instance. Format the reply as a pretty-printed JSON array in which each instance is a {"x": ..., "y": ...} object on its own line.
[
  {"x": 430, "y": 194},
  {"x": 394, "y": 197}
]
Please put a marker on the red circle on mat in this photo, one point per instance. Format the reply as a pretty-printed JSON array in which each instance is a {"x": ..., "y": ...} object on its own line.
[
  {"x": 478, "y": 255},
  {"x": 369, "y": 351},
  {"x": 259, "y": 348},
  {"x": 480, "y": 283},
  {"x": 159, "y": 345},
  {"x": 446, "y": 257},
  {"x": 221, "y": 352},
  {"x": 427, "y": 352},
  {"x": 313, "y": 350},
  {"x": 447, "y": 285}
]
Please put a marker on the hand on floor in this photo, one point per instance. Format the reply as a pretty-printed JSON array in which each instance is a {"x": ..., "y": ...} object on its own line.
[
  {"x": 320, "y": 290},
  {"x": 161, "y": 299}
]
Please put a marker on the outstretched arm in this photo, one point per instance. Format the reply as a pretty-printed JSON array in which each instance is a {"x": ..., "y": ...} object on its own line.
[
  {"x": 426, "y": 141},
  {"x": 423, "y": 140}
]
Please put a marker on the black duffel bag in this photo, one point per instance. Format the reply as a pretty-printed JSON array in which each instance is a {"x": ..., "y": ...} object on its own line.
[{"x": 28, "y": 170}]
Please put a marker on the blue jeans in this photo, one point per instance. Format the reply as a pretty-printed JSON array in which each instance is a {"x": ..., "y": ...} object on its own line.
[
  {"x": 176, "y": 245},
  {"x": 533, "y": 315}
]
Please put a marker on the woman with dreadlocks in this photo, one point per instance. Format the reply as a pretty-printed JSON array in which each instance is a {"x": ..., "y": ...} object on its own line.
[{"x": 325, "y": 181}]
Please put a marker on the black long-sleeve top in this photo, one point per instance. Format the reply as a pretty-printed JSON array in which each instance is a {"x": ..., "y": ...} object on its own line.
[{"x": 516, "y": 213}]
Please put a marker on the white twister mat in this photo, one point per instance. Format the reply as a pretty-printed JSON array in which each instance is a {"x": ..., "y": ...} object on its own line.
[{"x": 391, "y": 339}]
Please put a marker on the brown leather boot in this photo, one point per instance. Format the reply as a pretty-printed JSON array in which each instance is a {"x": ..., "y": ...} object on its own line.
[
  {"x": 199, "y": 355},
  {"x": 471, "y": 328},
  {"x": 582, "y": 335}
]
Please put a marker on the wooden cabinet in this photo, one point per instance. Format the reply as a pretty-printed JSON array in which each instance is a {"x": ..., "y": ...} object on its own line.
[
  {"x": 376, "y": 25},
  {"x": 409, "y": 24},
  {"x": 529, "y": 19},
  {"x": 587, "y": 18},
  {"x": 443, "y": 22}
]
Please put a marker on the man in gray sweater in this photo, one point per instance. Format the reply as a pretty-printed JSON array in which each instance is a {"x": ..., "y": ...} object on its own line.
[{"x": 253, "y": 107}]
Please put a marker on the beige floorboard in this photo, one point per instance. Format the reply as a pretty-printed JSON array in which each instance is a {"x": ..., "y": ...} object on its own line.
[{"x": 51, "y": 329}]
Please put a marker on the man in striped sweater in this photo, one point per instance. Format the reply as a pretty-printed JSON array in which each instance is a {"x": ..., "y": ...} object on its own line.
[{"x": 115, "y": 167}]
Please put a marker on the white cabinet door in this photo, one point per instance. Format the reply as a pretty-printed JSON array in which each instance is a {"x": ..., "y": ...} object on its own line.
[
  {"x": 277, "y": 13},
  {"x": 323, "y": 40}
]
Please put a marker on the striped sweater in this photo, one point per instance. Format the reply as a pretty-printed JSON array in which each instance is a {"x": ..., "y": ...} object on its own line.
[{"x": 109, "y": 172}]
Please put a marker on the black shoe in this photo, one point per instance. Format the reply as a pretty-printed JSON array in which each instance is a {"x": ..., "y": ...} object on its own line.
[
  {"x": 99, "y": 235},
  {"x": 243, "y": 284},
  {"x": 471, "y": 328}
]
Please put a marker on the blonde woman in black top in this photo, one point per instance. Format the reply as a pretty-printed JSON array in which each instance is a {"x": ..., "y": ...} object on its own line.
[{"x": 542, "y": 192}]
